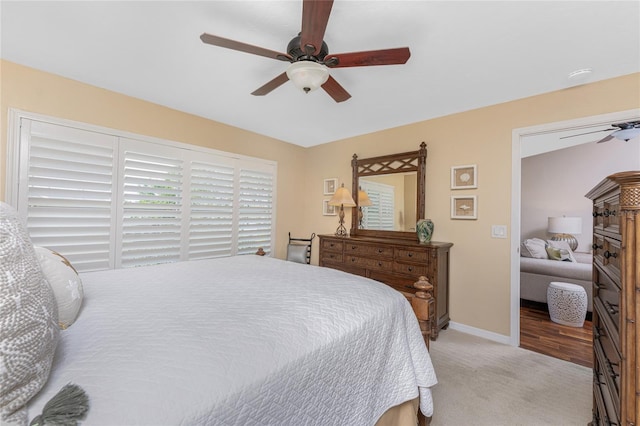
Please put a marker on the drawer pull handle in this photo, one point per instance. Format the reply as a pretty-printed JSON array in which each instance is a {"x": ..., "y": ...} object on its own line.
[
  {"x": 380, "y": 250},
  {"x": 596, "y": 214},
  {"x": 608, "y": 254},
  {"x": 353, "y": 247},
  {"x": 608, "y": 213},
  {"x": 410, "y": 269},
  {"x": 612, "y": 373},
  {"x": 613, "y": 309},
  {"x": 331, "y": 245},
  {"x": 410, "y": 254},
  {"x": 599, "y": 286},
  {"x": 596, "y": 247},
  {"x": 353, "y": 259},
  {"x": 596, "y": 333},
  {"x": 379, "y": 263}
]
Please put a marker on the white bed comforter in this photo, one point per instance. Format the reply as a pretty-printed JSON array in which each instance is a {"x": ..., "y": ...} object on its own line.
[{"x": 246, "y": 340}]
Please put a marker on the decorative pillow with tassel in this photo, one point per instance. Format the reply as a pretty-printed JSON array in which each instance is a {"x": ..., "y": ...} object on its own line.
[
  {"x": 67, "y": 407},
  {"x": 28, "y": 320},
  {"x": 65, "y": 283}
]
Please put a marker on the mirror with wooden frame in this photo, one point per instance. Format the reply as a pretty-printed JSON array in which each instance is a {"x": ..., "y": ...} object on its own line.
[{"x": 390, "y": 193}]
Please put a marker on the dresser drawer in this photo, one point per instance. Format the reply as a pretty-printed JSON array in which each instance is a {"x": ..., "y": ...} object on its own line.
[
  {"x": 606, "y": 411},
  {"x": 611, "y": 258},
  {"x": 410, "y": 268},
  {"x": 369, "y": 263},
  {"x": 606, "y": 293},
  {"x": 606, "y": 214},
  {"x": 359, "y": 249},
  {"x": 330, "y": 256},
  {"x": 332, "y": 245},
  {"x": 608, "y": 363},
  {"x": 412, "y": 255}
]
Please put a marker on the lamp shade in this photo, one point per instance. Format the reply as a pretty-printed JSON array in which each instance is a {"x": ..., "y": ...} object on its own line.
[
  {"x": 307, "y": 75},
  {"x": 564, "y": 225},
  {"x": 363, "y": 199},
  {"x": 342, "y": 197}
]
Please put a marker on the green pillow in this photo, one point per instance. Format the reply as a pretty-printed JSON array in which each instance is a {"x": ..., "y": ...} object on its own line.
[{"x": 558, "y": 254}]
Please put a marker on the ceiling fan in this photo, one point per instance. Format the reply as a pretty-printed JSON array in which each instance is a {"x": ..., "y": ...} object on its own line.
[
  {"x": 623, "y": 131},
  {"x": 309, "y": 55}
]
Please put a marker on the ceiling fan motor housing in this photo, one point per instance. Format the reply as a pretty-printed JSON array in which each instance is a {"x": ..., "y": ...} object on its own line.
[{"x": 298, "y": 54}]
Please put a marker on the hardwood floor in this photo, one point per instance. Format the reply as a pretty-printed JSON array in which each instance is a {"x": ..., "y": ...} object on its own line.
[{"x": 538, "y": 333}]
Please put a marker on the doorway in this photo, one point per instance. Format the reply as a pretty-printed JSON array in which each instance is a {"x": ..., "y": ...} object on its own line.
[{"x": 541, "y": 139}]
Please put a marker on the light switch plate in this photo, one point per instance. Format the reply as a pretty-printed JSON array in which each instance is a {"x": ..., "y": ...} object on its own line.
[{"x": 498, "y": 231}]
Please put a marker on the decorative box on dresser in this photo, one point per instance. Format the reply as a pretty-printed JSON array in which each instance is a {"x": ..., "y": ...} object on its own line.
[
  {"x": 396, "y": 262},
  {"x": 616, "y": 288}
]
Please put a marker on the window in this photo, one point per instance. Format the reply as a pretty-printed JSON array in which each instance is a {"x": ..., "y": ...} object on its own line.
[
  {"x": 106, "y": 200},
  {"x": 380, "y": 214}
]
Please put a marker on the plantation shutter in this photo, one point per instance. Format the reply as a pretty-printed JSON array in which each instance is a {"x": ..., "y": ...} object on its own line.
[
  {"x": 255, "y": 210},
  {"x": 211, "y": 219},
  {"x": 380, "y": 214},
  {"x": 107, "y": 201},
  {"x": 66, "y": 191},
  {"x": 152, "y": 202}
]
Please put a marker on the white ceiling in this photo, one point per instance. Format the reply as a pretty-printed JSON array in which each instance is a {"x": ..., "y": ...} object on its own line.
[{"x": 464, "y": 55}]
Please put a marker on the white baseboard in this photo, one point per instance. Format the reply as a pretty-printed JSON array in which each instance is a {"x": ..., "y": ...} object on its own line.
[{"x": 500, "y": 338}]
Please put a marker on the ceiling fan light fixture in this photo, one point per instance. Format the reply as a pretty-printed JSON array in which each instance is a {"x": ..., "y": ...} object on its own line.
[
  {"x": 626, "y": 134},
  {"x": 307, "y": 75}
]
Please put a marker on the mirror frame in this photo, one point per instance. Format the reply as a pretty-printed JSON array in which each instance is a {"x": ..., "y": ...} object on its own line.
[{"x": 414, "y": 161}]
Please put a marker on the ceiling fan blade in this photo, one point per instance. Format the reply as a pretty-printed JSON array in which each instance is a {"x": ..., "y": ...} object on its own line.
[
  {"x": 335, "y": 90},
  {"x": 243, "y": 47},
  {"x": 273, "y": 84},
  {"x": 315, "y": 15},
  {"x": 588, "y": 133},
  {"x": 366, "y": 58},
  {"x": 606, "y": 139}
]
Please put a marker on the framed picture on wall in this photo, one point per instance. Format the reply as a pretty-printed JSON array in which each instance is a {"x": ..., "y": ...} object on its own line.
[
  {"x": 330, "y": 186},
  {"x": 464, "y": 177},
  {"x": 328, "y": 210},
  {"x": 464, "y": 207}
]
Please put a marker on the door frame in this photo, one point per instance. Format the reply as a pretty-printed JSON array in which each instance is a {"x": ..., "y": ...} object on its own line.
[{"x": 517, "y": 138}]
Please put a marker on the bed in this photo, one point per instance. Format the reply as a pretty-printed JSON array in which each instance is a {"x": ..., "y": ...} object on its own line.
[{"x": 245, "y": 340}]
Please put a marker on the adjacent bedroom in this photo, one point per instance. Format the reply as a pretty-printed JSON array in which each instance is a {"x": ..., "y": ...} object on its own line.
[{"x": 316, "y": 212}]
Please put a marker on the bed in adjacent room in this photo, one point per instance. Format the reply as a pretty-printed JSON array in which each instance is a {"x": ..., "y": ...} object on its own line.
[{"x": 241, "y": 340}]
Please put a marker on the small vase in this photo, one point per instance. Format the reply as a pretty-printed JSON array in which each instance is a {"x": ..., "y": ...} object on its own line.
[{"x": 424, "y": 229}]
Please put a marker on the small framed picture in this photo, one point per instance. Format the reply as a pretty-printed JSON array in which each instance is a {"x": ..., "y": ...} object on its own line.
[
  {"x": 330, "y": 186},
  {"x": 464, "y": 177},
  {"x": 464, "y": 207},
  {"x": 328, "y": 210}
]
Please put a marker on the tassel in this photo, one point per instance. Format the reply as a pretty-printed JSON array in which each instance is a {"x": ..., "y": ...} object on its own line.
[{"x": 66, "y": 408}]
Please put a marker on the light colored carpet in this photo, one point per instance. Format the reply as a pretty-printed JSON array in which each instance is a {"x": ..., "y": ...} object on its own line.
[{"x": 481, "y": 382}]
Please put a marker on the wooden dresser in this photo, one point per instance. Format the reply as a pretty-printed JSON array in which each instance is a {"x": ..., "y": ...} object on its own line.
[
  {"x": 616, "y": 287},
  {"x": 396, "y": 262}
]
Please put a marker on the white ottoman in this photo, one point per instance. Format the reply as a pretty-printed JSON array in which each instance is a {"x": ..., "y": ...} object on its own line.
[{"x": 567, "y": 303}]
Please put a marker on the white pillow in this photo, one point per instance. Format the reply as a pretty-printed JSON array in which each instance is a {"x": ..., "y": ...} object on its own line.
[
  {"x": 563, "y": 245},
  {"x": 65, "y": 283},
  {"x": 534, "y": 247},
  {"x": 28, "y": 320}
]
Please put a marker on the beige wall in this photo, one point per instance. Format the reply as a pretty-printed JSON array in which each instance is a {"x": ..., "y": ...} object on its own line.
[
  {"x": 34, "y": 91},
  {"x": 554, "y": 184},
  {"x": 480, "y": 265},
  {"x": 480, "y": 288}
]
